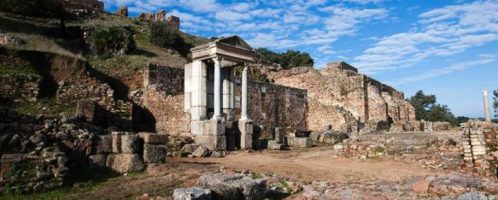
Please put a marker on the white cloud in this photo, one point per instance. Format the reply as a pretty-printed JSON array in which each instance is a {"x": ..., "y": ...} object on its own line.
[
  {"x": 442, "y": 32},
  {"x": 481, "y": 60}
]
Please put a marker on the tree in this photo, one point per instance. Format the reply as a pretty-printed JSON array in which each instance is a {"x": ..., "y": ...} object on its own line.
[
  {"x": 495, "y": 102},
  {"x": 163, "y": 35},
  {"x": 427, "y": 108},
  {"x": 288, "y": 59}
]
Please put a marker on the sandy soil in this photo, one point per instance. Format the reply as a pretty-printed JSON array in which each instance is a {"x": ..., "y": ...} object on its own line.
[{"x": 318, "y": 164}]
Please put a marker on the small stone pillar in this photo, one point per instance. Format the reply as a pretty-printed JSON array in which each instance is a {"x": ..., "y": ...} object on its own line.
[
  {"x": 245, "y": 124},
  {"x": 487, "y": 111}
]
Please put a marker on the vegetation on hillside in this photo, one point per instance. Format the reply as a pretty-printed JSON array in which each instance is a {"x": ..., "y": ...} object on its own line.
[
  {"x": 163, "y": 35},
  {"x": 108, "y": 41},
  {"x": 427, "y": 108},
  {"x": 288, "y": 59}
]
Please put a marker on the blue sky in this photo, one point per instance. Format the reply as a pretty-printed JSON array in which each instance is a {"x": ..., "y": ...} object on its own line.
[{"x": 445, "y": 47}]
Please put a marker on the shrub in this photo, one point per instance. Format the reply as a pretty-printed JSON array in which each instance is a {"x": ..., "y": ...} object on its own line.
[
  {"x": 108, "y": 41},
  {"x": 288, "y": 59},
  {"x": 161, "y": 34}
]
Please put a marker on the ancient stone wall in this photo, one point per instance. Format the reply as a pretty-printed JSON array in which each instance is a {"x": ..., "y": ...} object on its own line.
[
  {"x": 480, "y": 147},
  {"x": 272, "y": 106},
  {"x": 372, "y": 104},
  {"x": 20, "y": 88},
  {"x": 163, "y": 98}
]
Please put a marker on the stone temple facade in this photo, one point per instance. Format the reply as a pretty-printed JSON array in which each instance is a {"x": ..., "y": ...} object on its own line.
[{"x": 217, "y": 99}]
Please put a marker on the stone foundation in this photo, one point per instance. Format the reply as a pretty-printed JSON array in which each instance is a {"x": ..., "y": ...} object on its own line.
[{"x": 480, "y": 147}]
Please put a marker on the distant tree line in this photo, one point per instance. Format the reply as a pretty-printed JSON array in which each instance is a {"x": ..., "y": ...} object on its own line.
[
  {"x": 495, "y": 102},
  {"x": 427, "y": 108},
  {"x": 288, "y": 59}
]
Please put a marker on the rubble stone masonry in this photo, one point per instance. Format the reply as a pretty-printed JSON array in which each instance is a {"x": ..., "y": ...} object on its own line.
[{"x": 371, "y": 103}]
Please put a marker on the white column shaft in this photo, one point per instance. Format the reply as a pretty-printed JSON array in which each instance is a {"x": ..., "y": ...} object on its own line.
[
  {"x": 243, "y": 113},
  {"x": 217, "y": 87},
  {"x": 487, "y": 109}
]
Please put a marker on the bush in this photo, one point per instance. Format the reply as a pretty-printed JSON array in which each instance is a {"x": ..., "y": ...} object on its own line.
[
  {"x": 108, "y": 41},
  {"x": 288, "y": 59},
  {"x": 161, "y": 34}
]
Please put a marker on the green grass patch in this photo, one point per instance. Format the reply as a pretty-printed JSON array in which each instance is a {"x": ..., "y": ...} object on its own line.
[{"x": 47, "y": 107}]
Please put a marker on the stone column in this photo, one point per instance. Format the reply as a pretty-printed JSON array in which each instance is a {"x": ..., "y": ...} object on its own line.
[
  {"x": 217, "y": 87},
  {"x": 487, "y": 111},
  {"x": 243, "y": 106},
  {"x": 227, "y": 108},
  {"x": 245, "y": 124}
]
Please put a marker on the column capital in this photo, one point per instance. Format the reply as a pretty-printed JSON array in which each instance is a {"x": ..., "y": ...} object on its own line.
[{"x": 217, "y": 59}]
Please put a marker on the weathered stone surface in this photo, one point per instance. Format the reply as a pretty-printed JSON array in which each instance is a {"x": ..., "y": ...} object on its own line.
[
  {"x": 154, "y": 153},
  {"x": 122, "y": 11},
  {"x": 421, "y": 186},
  {"x": 225, "y": 186},
  {"x": 130, "y": 144},
  {"x": 193, "y": 193},
  {"x": 11, "y": 158},
  {"x": 302, "y": 142},
  {"x": 473, "y": 196},
  {"x": 201, "y": 151},
  {"x": 98, "y": 160},
  {"x": 124, "y": 163},
  {"x": 189, "y": 148},
  {"x": 274, "y": 145},
  {"x": 116, "y": 142},
  {"x": 103, "y": 144},
  {"x": 153, "y": 138}
]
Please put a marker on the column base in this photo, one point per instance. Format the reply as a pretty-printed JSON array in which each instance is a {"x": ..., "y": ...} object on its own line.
[
  {"x": 246, "y": 131},
  {"x": 213, "y": 135}
]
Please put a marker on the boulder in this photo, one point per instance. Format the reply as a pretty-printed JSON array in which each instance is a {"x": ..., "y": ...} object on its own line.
[
  {"x": 189, "y": 148},
  {"x": 130, "y": 144},
  {"x": 124, "y": 163},
  {"x": 235, "y": 186},
  {"x": 193, "y": 193},
  {"x": 201, "y": 151},
  {"x": 302, "y": 142},
  {"x": 153, "y": 138},
  {"x": 154, "y": 153},
  {"x": 314, "y": 136},
  {"x": 103, "y": 144}
]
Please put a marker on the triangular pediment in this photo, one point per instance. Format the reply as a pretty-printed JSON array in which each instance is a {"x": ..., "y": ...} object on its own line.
[{"x": 235, "y": 41}]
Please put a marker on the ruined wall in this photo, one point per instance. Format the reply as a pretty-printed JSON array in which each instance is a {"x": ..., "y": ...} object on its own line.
[
  {"x": 371, "y": 103},
  {"x": 20, "y": 88},
  {"x": 480, "y": 147},
  {"x": 91, "y": 5},
  {"x": 273, "y": 106},
  {"x": 163, "y": 99}
]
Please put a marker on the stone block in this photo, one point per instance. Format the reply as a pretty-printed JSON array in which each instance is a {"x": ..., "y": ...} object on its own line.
[
  {"x": 98, "y": 160},
  {"x": 130, "y": 144},
  {"x": 116, "y": 142},
  {"x": 189, "y": 148},
  {"x": 302, "y": 142},
  {"x": 193, "y": 193},
  {"x": 201, "y": 151},
  {"x": 246, "y": 131},
  {"x": 124, "y": 163},
  {"x": 154, "y": 153},
  {"x": 274, "y": 145},
  {"x": 153, "y": 138},
  {"x": 225, "y": 186},
  {"x": 11, "y": 158},
  {"x": 103, "y": 144}
]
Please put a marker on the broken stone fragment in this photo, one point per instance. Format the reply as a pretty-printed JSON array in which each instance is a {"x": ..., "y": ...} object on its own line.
[
  {"x": 193, "y": 193},
  {"x": 302, "y": 142},
  {"x": 236, "y": 186},
  {"x": 201, "y": 151}
]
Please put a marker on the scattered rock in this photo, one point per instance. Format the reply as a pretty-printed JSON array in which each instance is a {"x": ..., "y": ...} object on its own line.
[
  {"x": 154, "y": 153},
  {"x": 201, "y": 151},
  {"x": 193, "y": 193}
]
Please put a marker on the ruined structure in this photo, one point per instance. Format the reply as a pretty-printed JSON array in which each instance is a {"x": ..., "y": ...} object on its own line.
[
  {"x": 160, "y": 16},
  {"x": 347, "y": 100},
  {"x": 480, "y": 147},
  {"x": 206, "y": 96}
]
